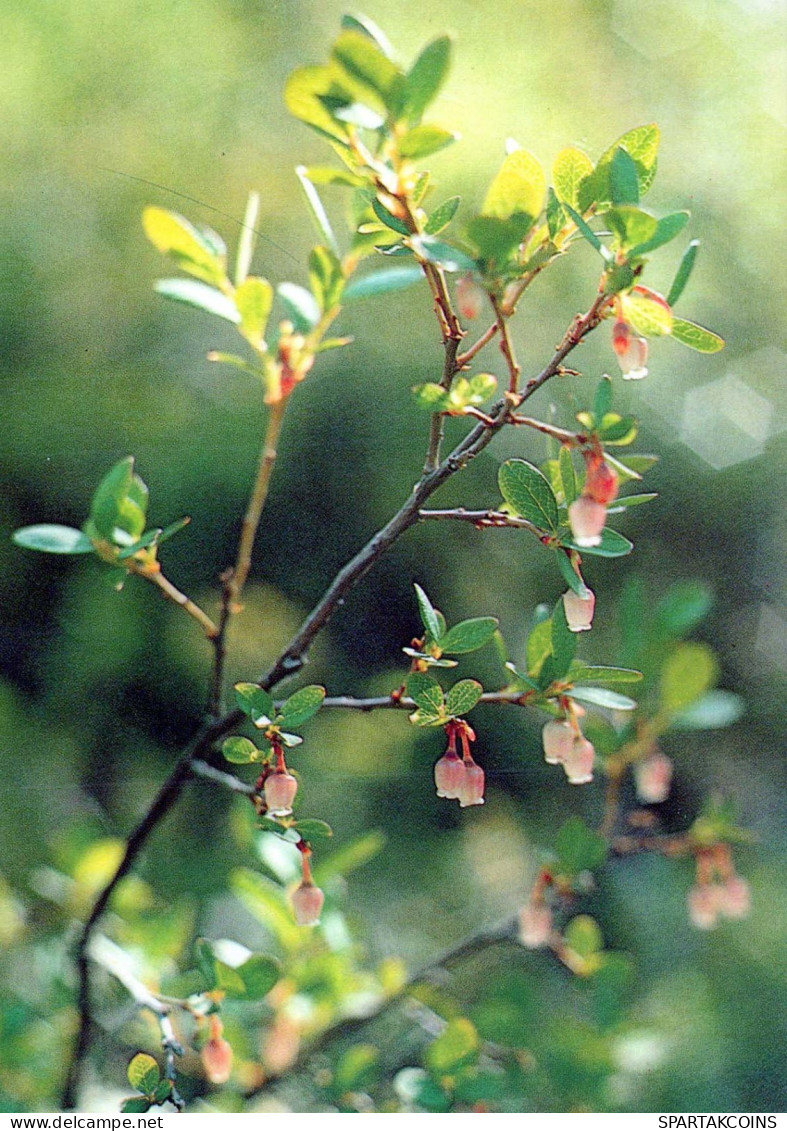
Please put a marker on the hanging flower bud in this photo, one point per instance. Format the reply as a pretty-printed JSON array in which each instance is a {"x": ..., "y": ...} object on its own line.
[
  {"x": 216, "y": 1053},
  {"x": 735, "y": 898},
  {"x": 632, "y": 352},
  {"x": 653, "y": 777},
  {"x": 704, "y": 905},
  {"x": 579, "y": 763},
  {"x": 601, "y": 482},
  {"x": 307, "y": 901},
  {"x": 535, "y": 925},
  {"x": 280, "y": 789},
  {"x": 558, "y": 738},
  {"x": 473, "y": 790},
  {"x": 587, "y": 519},
  {"x": 579, "y": 610},
  {"x": 449, "y": 775},
  {"x": 469, "y": 297}
]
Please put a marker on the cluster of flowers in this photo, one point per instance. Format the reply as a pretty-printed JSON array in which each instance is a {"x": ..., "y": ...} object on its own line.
[
  {"x": 566, "y": 745},
  {"x": 460, "y": 779},
  {"x": 719, "y": 891}
]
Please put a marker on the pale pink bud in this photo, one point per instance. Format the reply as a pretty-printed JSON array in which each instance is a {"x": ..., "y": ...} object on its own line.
[
  {"x": 216, "y": 1056},
  {"x": 704, "y": 905},
  {"x": 587, "y": 519},
  {"x": 653, "y": 777},
  {"x": 469, "y": 297},
  {"x": 535, "y": 925},
  {"x": 632, "y": 352},
  {"x": 579, "y": 763},
  {"x": 579, "y": 610},
  {"x": 307, "y": 901},
  {"x": 473, "y": 789},
  {"x": 280, "y": 789},
  {"x": 735, "y": 898},
  {"x": 558, "y": 738},
  {"x": 449, "y": 775}
]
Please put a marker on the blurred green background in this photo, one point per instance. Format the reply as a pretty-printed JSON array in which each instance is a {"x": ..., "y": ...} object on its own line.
[{"x": 100, "y": 689}]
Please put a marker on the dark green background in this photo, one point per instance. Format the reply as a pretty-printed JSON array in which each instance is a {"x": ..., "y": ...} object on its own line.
[{"x": 101, "y": 689}]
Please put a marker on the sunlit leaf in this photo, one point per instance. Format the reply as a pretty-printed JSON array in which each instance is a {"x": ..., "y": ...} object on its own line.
[
  {"x": 191, "y": 292},
  {"x": 52, "y": 538}
]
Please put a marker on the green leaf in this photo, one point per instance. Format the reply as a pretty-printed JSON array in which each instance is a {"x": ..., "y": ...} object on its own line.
[
  {"x": 163, "y": 1091},
  {"x": 143, "y": 1073},
  {"x": 206, "y": 962},
  {"x": 647, "y": 315},
  {"x": 312, "y": 829},
  {"x": 497, "y": 239},
  {"x": 423, "y": 141},
  {"x": 520, "y": 186},
  {"x": 425, "y": 78},
  {"x": 199, "y": 252},
  {"x": 631, "y": 225},
  {"x": 463, "y": 696},
  {"x": 193, "y": 293},
  {"x": 596, "y": 673},
  {"x": 357, "y": 1069},
  {"x": 426, "y": 693},
  {"x": 539, "y": 646},
  {"x": 623, "y": 178},
  {"x": 450, "y": 258},
  {"x": 259, "y": 974},
  {"x": 528, "y": 492},
  {"x": 642, "y": 144},
  {"x": 383, "y": 282},
  {"x": 564, "y": 641},
  {"x": 253, "y": 700},
  {"x": 468, "y": 635},
  {"x": 388, "y": 218},
  {"x": 572, "y": 167},
  {"x": 602, "y": 697},
  {"x": 311, "y": 92},
  {"x": 603, "y": 401},
  {"x": 135, "y": 1105},
  {"x": 442, "y": 216},
  {"x": 667, "y": 229},
  {"x": 583, "y": 935},
  {"x": 713, "y": 710},
  {"x": 587, "y": 232},
  {"x": 350, "y": 856},
  {"x": 367, "y": 64},
  {"x": 625, "y": 501},
  {"x": 616, "y": 429},
  {"x": 432, "y": 397},
  {"x": 302, "y": 705},
  {"x": 611, "y": 981},
  {"x": 612, "y": 545},
  {"x": 568, "y": 475},
  {"x": 254, "y": 300},
  {"x": 696, "y": 337},
  {"x": 326, "y": 278},
  {"x": 683, "y": 273},
  {"x": 52, "y": 538},
  {"x": 684, "y": 607},
  {"x": 317, "y": 209},
  {"x": 557, "y": 216},
  {"x": 240, "y": 751},
  {"x": 688, "y": 672},
  {"x": 457, "y": 1045},
  {"x": 301, "y": 306},
  {"x": 579, "y": 848},
  {"x": 570, "y": 575},
  {"x": 429, "y": 616},
  {"x": 369, "y": 28}
]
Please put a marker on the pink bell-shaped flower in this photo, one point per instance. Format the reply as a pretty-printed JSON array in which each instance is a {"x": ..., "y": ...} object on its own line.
[
  {"x": 587, "y": 519},
  {"x": 473, "y": 789},
  {"x": 704, "y": 902},
  {"x": 558, "y": 738},
  {"x": 449, "y": 775},
  {"x": 216, "y": 1053},
  {"x": 307, "y": 901},
  {"x": 280, "y": 789},
  {"x": 535, "y": 925},
  {"x": 735, "y": 898},
  {"x": 579, "y": 610},
  {"x": 579, "y": 763},
  {"x": 632, "y": 352},
  {"x": 653, "y": 777}
]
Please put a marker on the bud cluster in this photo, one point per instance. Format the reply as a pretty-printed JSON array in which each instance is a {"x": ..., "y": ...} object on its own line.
[
  {"x": 459, "y": 779},
  {"x": 719, "y": 891}
]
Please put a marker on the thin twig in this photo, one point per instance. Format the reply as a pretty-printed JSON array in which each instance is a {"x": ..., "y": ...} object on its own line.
[
  {"x": 157, "y": 578},
  {"x": 485, "y": 519}
]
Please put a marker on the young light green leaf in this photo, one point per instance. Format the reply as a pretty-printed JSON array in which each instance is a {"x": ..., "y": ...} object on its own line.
[
  {"x": 52, "y": 538},
  {"x": 248, "y": 237},
  {"x": 623, "y": 502},
  {"x": 572, "y": 166},
  {"x": 457, "y": 1045},
  {"x": 383, "y": 282},
  {"x": 367, "y": 64},
  {"x": 317, "y": 209},
  {"x": 143, "y": 1073},
  {"x": 253, "y": 700},
  {"x": 450, "y": 258},
  {"x": 254, "y": 300},
  {"x": 563, "y": 642},
  {"x": 685, "y": 605},
  {"x": 301, "y": 306},
  {"x": 302, "y": 705},
  {"x": 429, "y": 615},
  {"x": 583, "y": 935},
  {"x": 688, "y": 672},
  {"x": 442, "y": 216},
  {"x": 200, "y": 252},
  {"x": 309, "y": 92},
  {"x": 312, "y": 829},
  {"x": 539, "y": 647},
  {"x": 713, "y": 710},
  {"x": 602, "y": 697},
  {"x": 649, "y": 316},
  {"x": 528, "y": 492},
  {"x": 631, "y": 225},
  {"x": 612, "y": 545},
  {"x": 369, "y": 28},
  {"x": 696, "y": 337},
  {"x": 642, "y": 144},
  {"x": 497, "y": 239},
  {"x": 667, "y": 228},
  {"x": 520, "y": 186},
  {"x": 423, "y": 141},
  {"x": 463, "y": 696},
  {"x": 568, "y": 475},
  {"x": 468, "y": 635},
  {"x": 432, "y": 397},
  {"x": 326, "y": 278},
  {"x": 683, "y": 273},
  {"x": 426, "y": 693},
  {"x": 595, "y": 673},
  {"x": 193, "y": 293},
  {"x": 425, "y": 78},
  {"x": 240, "y": 751}
]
